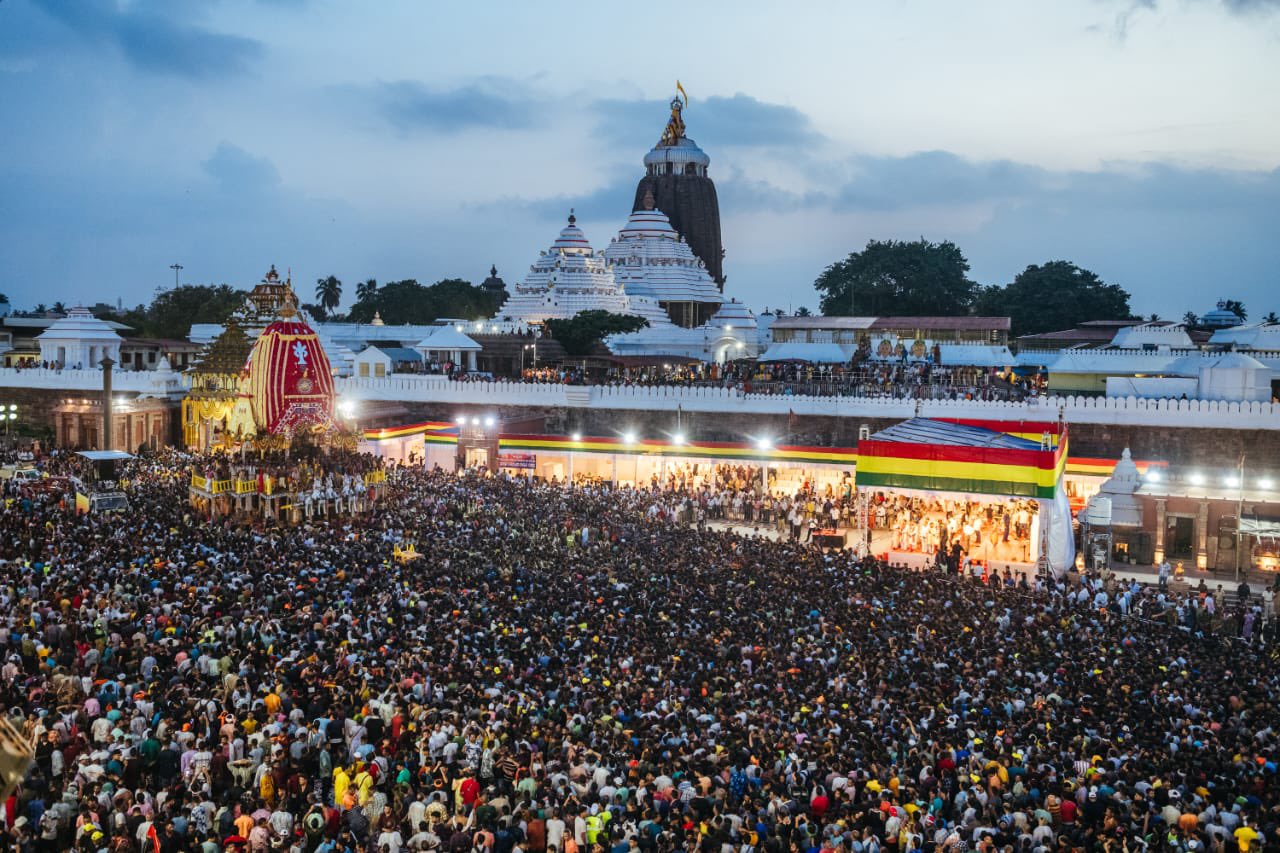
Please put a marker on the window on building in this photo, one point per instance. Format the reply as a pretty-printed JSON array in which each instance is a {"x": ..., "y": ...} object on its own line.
[
  {"x": 379, "y": 370},
  {"x": 364, "y": 368}
]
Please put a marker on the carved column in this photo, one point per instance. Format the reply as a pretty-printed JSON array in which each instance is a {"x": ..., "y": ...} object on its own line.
[
  {"x": 1202, "y": 536},
  {"x": 1162, "y": 522}
]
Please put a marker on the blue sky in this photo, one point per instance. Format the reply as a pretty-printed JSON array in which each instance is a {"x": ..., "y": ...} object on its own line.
[{"x": 1139, "y": 138}]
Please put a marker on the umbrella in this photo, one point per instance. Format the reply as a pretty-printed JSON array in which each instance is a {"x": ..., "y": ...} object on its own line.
[
  {"x": 234, "y": 839},
  {"x": 261, "y": 814}
]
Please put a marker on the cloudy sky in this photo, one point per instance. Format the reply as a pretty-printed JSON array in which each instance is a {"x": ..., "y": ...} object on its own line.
[{"x": 1139, "y": 138}]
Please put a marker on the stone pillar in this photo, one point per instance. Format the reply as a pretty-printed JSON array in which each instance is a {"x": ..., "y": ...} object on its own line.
[
  {"x": 1161, "y": 522},
  {"x": 106, "y": 364},
  {"x": 1202, "y": 536}
]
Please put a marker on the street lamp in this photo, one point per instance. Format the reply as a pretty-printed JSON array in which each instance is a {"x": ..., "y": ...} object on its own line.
[{"x": 9, "y": 416}]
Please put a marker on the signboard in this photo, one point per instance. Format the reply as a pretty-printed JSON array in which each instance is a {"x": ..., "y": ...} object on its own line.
[{"x": 517, "y": 460}]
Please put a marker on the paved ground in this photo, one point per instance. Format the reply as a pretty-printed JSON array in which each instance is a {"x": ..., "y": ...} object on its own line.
[{"x": 881, "y": 540}]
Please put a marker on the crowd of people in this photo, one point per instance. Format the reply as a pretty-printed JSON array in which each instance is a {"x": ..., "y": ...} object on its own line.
[
  {"x": 315, "y": 470},
  {"x": 573, "y": 669},
  {"x": 990, "y": 529},
  {"x": 923, "y": 380}
]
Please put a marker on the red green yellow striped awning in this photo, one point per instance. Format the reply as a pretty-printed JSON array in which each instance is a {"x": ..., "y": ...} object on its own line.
[
  {"x": 953, "y": 456},
  {"x": 719, "y": 450}
]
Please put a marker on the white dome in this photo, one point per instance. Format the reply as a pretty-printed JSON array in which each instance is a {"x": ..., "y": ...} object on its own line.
[
  {"x": 684, "y": 151},
  {"x": 571, "y": 239}
]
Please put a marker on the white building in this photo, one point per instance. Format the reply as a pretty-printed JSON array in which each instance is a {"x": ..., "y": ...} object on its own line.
[
  {"x": 1153, "y": 336},
  {"x": 1253, "y": 336},
  {"x": 651, "y": 259},
  {"x": 79, "y": 340},
  {"x": 569, "y": 278}
]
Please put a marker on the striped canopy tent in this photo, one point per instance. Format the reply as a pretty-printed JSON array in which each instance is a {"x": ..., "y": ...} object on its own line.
[
  {"x": 995, "y": 459},
  {"x": 290, "y": 381},
  {"x": 954, "y": 456}
]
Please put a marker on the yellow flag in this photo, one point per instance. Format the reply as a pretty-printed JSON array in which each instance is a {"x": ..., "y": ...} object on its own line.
[{"x": 681, "y": 90}]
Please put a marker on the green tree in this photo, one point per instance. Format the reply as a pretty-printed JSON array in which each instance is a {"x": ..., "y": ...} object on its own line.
[
  {"x": 314, "y": 311},
  {"x": 1055, "y": 295},
  {"x": 172, "y": 313},
  {"x": 59, "y": 308},
  {"x": 1236, "y": 307},
  {"x": 328, "y": 292},
  {"x": 1154, "y": 318},
  {"x": 1190, "y": 319},
  {"x": 366, "y": 289},
  {"x": 580, "y": 334},
  {"x": 803, "y": 311},
  {"x": 1271, "y": 318},
  {"x": 408, "y": 301},
  {"x": 892, "y": 277}
]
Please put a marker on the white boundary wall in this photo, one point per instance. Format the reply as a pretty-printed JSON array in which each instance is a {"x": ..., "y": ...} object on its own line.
[{"x": 1127, "y": 411}]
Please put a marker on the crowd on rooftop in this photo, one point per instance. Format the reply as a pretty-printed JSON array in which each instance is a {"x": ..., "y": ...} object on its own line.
[
  {"x": 860, "y": 378},
  {"x": 574, "y": 670}
]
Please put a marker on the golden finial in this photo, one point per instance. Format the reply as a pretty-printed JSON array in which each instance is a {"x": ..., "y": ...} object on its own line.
[{"x": 674, "y": 131}]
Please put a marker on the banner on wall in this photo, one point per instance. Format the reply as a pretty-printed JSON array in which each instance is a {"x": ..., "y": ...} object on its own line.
[{"x": 527, "y": 461}]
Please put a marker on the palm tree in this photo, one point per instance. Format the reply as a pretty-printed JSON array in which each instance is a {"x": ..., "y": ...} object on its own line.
[
  {"x": 1190, "y": 319},
  {"x": 366, "y": 289},
  {"x": 1236, "y": 307},
  {"x": 1271, "y": 318},
  {"x": 59, "y": 308},
  {"x": 328, "y": 292},
  {"x": 1154, "y": 318}
]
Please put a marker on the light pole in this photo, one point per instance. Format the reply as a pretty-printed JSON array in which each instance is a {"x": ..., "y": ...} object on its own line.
[
  {"x": 177, "y": 268},
  {"x": 1239, "y": 512},
  {"x": 9, "y": 416}
]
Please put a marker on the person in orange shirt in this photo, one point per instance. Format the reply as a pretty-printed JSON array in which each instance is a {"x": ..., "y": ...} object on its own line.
[{"x": 244, "y": 824}]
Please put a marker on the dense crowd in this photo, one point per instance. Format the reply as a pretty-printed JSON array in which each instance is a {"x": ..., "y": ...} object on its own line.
[
  {"x": 921, "y": 380},
  {"x": 573, "y": 670},
  {"x": 331, "y": 473}
]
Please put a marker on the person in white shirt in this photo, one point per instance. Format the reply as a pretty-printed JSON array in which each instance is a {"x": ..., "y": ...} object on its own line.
[{"x": 555, "y": 833}]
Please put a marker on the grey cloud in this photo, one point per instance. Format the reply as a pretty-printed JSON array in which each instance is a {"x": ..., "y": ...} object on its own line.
[
  {"x": 1239, "y": 6},
  {"x": 928, "y": 178},
  {"x": 236, "y": 170},
  {"x": 491, "y": 102},
  {"x": 715, "y": 122},
  {"x": 154, "y": 41},
  {"x": 607, "y": 203}
]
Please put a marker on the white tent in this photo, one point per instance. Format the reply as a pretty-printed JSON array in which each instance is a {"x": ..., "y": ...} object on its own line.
[{"x": 449, "y": 344}]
